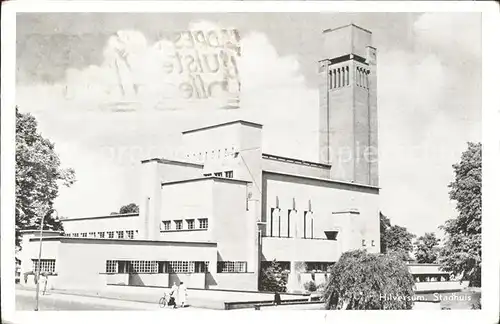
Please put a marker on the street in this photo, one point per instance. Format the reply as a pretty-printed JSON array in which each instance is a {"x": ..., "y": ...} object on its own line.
[{"x": 25, "y": 301}]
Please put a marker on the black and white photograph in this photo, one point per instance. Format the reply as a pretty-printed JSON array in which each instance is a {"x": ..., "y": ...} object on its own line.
[{"x": 243, "y": 161}]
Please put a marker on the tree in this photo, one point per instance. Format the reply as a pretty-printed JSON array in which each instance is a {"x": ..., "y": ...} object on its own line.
[
  {"x": 398, "y": 238},
  {"x": 38, "y": 176},
  {"x": 385, "y": 224},
  {"x": 427, "y": 250},
  {"x": 364, "y": 281},
  {"x": 273, "y": 278},
  {"x": 461, "y": 253},
  {"x": 129, "y": 209}
]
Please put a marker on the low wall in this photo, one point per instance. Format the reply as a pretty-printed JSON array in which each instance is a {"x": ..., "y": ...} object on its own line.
[
  {"x": 149, "y": 279},
  {"x": 439, "y": 286},
  {"x": 117, "y": 278},
  {"x": 30, "y": 282}
]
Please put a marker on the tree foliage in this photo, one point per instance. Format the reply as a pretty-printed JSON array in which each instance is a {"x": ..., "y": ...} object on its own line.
[
  {"x": 385, "y": 224},
  {"x": 129, "y": 209},
  {"x": 426, "y": 248},
  {"x": 363, "y": 281},
  {"x": 38, "y": 176},
  {"x": 461, "y": 253},
  {"x": 273, "y": 278},
  {"x": 398, "y": 239}
]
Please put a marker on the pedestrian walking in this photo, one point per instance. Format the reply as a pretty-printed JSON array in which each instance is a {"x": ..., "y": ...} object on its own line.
[
  {"x": 43, "y": 280},
  {"x": 182, "y": 293},
  {"x": 174, "y": 295}
]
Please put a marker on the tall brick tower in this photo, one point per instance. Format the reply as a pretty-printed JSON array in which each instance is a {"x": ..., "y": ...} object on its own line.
[{"x": 348, "y": 105}]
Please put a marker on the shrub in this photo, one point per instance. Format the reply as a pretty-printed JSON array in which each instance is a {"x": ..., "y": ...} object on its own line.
[
  {"x": 363, "y": 281},
  {"x": 273, "y": 278},
  {"x": 310, "y": 286}
]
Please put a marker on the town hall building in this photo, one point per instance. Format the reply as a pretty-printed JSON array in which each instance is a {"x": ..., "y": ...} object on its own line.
[{"x": 216, "y": 217}]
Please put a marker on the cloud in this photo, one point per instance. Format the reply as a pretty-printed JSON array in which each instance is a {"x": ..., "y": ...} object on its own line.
[{"x": 105, "y": 147}]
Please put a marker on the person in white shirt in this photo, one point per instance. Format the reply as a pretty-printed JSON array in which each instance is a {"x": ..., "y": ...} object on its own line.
[{"x": 182, "y": 294}]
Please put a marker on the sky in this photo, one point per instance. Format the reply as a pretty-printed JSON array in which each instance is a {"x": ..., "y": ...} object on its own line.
[{"x": 429, "y": 98}]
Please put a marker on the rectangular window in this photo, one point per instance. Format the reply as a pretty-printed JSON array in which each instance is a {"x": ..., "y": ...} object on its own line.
[
  {"x": 101, "y": 234},
  {"x": 123, "y": 266},
  {"x": 218, "y": 174},
  {"x": 92, "y": 234},
  {"x": 203, "y": 222},
  {"x": 130, "y": 234},
  {"x": 111, "y": 235},
  {"x": 190, "y": 223},
  {"x": 111, "y": 266},
  {"x": 143, "y": 266},
  {"x": 207, "y": 175},
  {"x": 373, "y": 242},
  {"x": 167, "y": 225},
  {"x": 180, "y": 266},
  {"x": 84, "y": 234},
  {"x": 201, "y": 266},
  {"x": 120, "y": 234},
  {"x": 363, "y": 242},
  {"x": 228, "y": 174},
  {"x": 231, "y": 266},
  {"x": 178, "y": 224},
  {"x": 74, "y": 234},
  {"x": 46, "y": 265}
]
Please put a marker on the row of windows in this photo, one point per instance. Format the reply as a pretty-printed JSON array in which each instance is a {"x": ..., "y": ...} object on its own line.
[
  {"x": 363, "y": 242},
  {"x": 47, "y": 265},
  {"x": 142, "y": 266},
  {"x": 276, "y": 225},
  {"x": 227, "y": 174},
  {"x": 231, "y": 266},
  {"x": 340, "y": 77},
  {"x": 362, "y": 77},
  {"x": 127, "y": 234},
  {"x": 215, "y": 154},
  {"x": 190, "y": 224}
]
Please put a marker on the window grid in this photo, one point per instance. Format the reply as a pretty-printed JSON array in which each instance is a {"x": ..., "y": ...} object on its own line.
[
  {"x": 218, "y": 174},
  {"x": 232, "y": 266},
  {"x": 47, "y": 265},
  {"x": 120, "y": 234},
  {"x": 111, "y": 266},
  {"x": 101, "y": 234},
  {"x": 143, "y": 266},
  {"x": 167, "y": 225},
  {"x": 228, "y": 174},
  {"x": 190, "y": 223},
  {"x": 130, "y": 234},
  {"x": 92, "y": 234},
  {"x": 180, "y": 266},
  {"x": 203, "y": 222},
  {"x": 83, "y": 234},
  {"x": 178, "y": 224},
  {"x": 111, "y": 234}
]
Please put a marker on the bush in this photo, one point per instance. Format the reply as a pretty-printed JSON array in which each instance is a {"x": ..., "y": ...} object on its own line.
[
  {"x": 273, "y": 278},
  {"x": 310, "y": 286},
  {"x": 363, "y": 281}
]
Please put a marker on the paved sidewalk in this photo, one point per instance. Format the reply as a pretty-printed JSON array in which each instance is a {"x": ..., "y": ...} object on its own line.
[{"x": 25, "y": 300}]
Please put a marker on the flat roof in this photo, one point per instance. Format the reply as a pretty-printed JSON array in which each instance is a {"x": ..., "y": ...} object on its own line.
[
  {"x": 243, "y": 122},
  {"x": 353, "y": 184},
  {"x": 100, "y": 217},
  {"x": 295, "y": 161},
  {"x": 121, "y": 241},
  {"x": 229, "y": 180},
  {"x": 175, "y": 162}
]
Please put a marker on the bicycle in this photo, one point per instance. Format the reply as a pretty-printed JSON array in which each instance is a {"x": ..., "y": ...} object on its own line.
[{"x": 163, "y": 300}]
